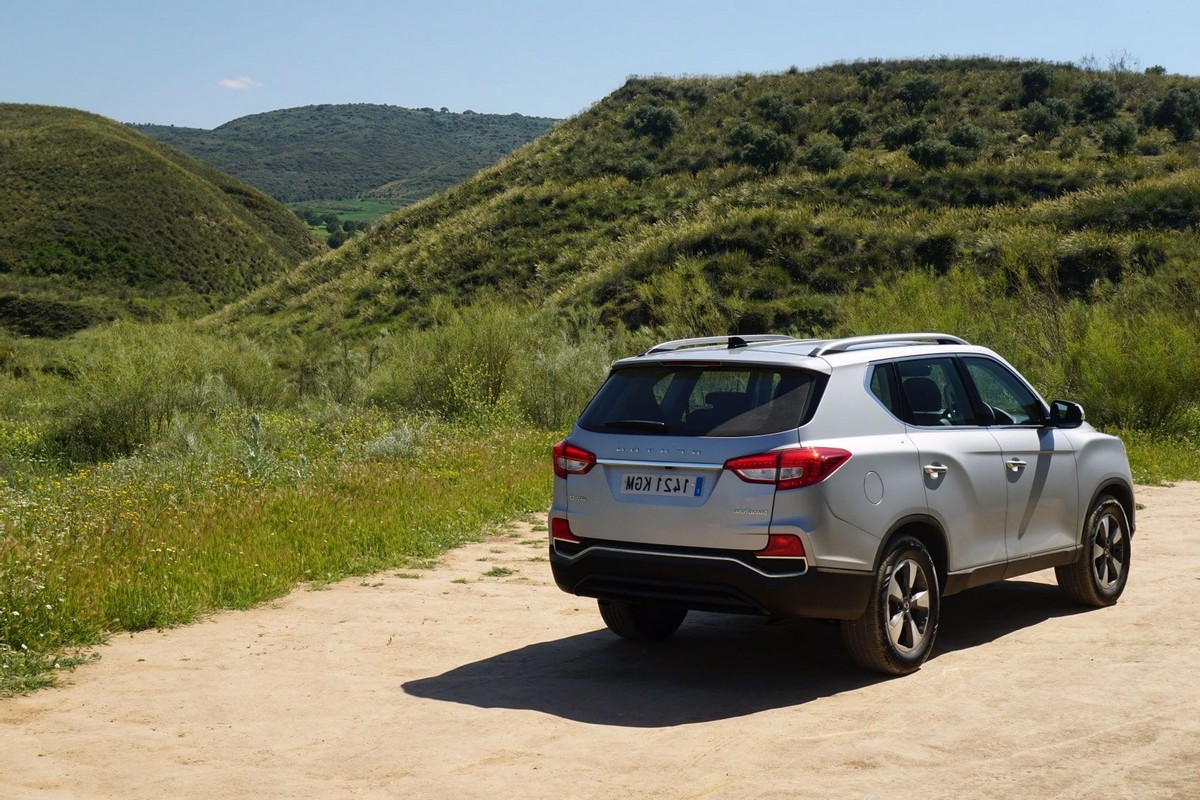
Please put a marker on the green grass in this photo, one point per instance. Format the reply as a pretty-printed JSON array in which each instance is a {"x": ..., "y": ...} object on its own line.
[
  {"x": 134, "y": 544},
  {"x": 1158, "y": 459},
  {"x": 352, "y": 210}
]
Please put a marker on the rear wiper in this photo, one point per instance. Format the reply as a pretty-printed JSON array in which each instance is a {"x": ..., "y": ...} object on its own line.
[{"x": 637, "y": 425}]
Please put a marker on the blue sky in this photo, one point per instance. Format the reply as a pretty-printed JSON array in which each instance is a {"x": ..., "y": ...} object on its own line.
[{"x": 201, "y": 64}]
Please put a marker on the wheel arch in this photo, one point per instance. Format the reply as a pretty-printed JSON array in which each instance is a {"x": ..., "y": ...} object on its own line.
[
  {"x": 928, "y": 532},
  {"x": 1122, "y": 492}
]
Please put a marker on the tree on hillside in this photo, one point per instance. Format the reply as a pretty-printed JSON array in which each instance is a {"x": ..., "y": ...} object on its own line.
[
  {"x": 1035, "y": 83},
  {"x": 760, "y": 147},
  {"x": 1178, "y": 112},
  {"x": 657, "y": 122},
  {"x": 1101, "y": 100},
  {"x": 916, "y": 92},
  {"x": 850, "y": 124}
]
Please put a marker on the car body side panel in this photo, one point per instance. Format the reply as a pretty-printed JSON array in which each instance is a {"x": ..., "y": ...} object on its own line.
[
  {"x": 1043, "y": 495},
  {"x": 969, "y": 496}
]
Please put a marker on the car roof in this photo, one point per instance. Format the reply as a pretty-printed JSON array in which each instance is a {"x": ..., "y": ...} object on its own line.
[{"x": 817, "y": 354}]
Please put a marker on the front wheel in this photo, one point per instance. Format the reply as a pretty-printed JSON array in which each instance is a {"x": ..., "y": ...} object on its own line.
[
  {"x": 1099, "y": 576},
  {"x": 641, "y": 623},
  {"x": 895, "y": 634}
]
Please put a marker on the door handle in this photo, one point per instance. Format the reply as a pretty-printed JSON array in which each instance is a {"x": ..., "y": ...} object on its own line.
[
  {"x": 1015, "y": 464},
  {"x": 935, "y": 470}
]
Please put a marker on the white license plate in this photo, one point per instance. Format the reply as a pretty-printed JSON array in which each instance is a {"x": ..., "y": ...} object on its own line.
[{"x": 683, "y": 485}]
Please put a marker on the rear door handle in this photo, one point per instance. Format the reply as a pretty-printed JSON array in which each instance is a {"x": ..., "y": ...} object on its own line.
[
  {"x": 935, "y": 470},
  {"x": 1015, "y": 464}
]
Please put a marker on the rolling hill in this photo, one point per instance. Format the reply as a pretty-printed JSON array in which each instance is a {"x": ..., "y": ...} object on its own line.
[
  {"x": 754, "y": 202},
  {"x": 101, "y": 221},
  {"x": 338, "y": 152}
]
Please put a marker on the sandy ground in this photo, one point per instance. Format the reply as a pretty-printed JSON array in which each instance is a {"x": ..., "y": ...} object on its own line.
[{"x": 456, "y": 685}]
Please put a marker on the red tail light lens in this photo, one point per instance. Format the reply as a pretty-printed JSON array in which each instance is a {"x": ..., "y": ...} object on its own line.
[
  {"x": 572, "y": 460},
  {"x": 790, "y": 468},
  {"x": 561, "y": 529},
  {"x": 782, "y": 545}
]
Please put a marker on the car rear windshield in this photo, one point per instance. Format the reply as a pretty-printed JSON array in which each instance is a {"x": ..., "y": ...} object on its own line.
[{"x": 675, "y": 400}]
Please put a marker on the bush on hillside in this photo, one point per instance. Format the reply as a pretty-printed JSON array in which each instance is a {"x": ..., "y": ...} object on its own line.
[
  {"x": 1035, "y": 83},
  {"x": 907, "y": 133},
  {"x": 1101, "y": 100},
  {"x": 1120, "y": 137},
  {"x": 777, "y": 110},
  {"x": 849, "y": 125},
  {"x": 823, "y": 153},
  {"x": 761, "y": 148},
  {"x": 872, "y": 78},
  {"x": 916, "y": 92},
  {"x": 1178, "y": 112},
  {"x": 656, "y": 122}
]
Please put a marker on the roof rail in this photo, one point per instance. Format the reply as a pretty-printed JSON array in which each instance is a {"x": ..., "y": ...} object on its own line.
[
  {"x": 732, "y": 342},
  {"x": 884, "y": 340}
]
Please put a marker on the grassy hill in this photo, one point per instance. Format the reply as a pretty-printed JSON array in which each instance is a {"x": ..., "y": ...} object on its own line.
[
  {"x": 101, "y": 221},
  {"x": 761, "y": 202},
  {"x": 339, "y": 152}
]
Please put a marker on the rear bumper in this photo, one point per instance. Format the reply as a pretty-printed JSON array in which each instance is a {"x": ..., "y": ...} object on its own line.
[{"x": 708, "y": 580}]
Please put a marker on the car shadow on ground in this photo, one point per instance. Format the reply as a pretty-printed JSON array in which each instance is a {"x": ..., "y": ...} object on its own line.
[{"x": 716, "y": 666}]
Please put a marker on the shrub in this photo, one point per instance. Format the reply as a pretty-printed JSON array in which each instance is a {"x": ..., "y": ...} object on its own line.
[
  {"x": 964, "y": 135},
  {"x": 916, "y": 92},
  {"x": 1179, "y": 112},
  {"x": 907, "y": 133},
  {"x": 780, "y": 112},
  {"x": 1120, "y": 137},
  {"x": 1035, "y": 83},
  {"x": 1137, "y": 369},
  {"x": 932, "y": 153},
  {"x": 656, "y": 122},
  {"x": 850, "y": 124},
  {"x": 129, "y": 382},
  {"x": 1101, "y": 100},
  {"x": 1037, "y": 119},
  {"x": 761, "y": 148},
  {"x": 824, "y": 153},
  {"x": 872, "y": 78}
]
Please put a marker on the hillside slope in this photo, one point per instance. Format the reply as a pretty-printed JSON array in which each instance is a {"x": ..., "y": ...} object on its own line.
[
  {"x": 386, "y": 153},
  {"x": 753, "y": 202},
  {"x": 99, "y": 220}
]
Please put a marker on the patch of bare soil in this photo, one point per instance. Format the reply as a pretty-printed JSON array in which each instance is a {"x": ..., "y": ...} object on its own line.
[{"x": 457, "y": 683}]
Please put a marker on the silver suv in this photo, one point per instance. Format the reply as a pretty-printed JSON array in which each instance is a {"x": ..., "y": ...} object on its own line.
[{"x": 857, "y": 479}]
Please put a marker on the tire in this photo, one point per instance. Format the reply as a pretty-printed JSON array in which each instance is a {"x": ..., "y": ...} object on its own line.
[
  {"x": 641, "y": 623},
  {"x": 895, "y": 634},
  {"x": 1098, "y": 578}
]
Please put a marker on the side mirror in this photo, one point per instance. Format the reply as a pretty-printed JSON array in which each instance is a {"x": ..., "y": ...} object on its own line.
[{"x": 1065, "y": 414}]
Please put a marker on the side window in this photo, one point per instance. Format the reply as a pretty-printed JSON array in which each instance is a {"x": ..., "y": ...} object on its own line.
[
  {"x": 883, "y": 385},
  {"x": 1009, "y": 399},
  {"x": 933, "y": 392}
]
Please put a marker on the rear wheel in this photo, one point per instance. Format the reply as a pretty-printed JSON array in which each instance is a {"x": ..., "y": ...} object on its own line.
[
  {"x": 641, "y": 623},
  {"x": 895, "y": 634},
  {"x": 1099, "y": 576}
]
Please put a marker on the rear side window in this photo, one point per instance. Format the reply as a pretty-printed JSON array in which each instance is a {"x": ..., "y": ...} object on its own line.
[{"x": 678, "y": 400}]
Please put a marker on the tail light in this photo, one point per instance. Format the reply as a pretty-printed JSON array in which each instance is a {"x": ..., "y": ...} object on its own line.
[
  {"x": 782, "y": 545},
  {"x": 790, "y": 468},
  {"x": 572, "y": 460},
  {"x": 560, "y": 529}
]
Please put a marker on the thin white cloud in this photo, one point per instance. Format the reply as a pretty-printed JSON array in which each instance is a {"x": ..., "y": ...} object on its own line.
[{"x": 241, "y": 82}]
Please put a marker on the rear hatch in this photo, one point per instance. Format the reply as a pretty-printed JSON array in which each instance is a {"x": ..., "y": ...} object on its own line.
[{"x": 661, "y": 434}]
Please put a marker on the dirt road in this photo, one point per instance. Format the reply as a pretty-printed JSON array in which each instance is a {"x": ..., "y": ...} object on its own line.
[{"x": 457, "y": 685}]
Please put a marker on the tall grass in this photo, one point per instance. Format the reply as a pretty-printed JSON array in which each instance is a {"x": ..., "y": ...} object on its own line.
[{"x": 151, "y": 474}]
